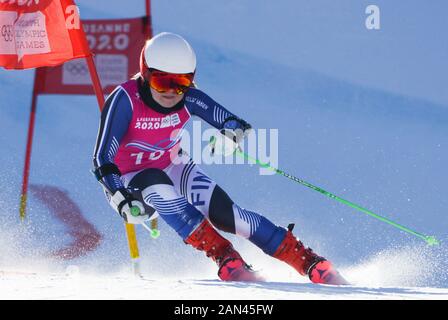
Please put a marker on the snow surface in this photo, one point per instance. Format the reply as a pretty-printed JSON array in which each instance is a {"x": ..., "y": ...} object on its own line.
[
  {"x": 71, "y": 285},
  {"x": 362, "y": 114}
]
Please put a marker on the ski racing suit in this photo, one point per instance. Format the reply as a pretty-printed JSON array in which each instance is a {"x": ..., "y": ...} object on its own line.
[{"x": 139, "y": 138}]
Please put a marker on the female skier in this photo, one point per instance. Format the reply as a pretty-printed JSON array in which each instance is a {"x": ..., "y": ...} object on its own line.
[{"x": 139, "y": 162}]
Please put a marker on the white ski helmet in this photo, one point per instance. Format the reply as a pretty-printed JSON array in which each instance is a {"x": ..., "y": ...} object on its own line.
[{"x": 167, "y": 52}]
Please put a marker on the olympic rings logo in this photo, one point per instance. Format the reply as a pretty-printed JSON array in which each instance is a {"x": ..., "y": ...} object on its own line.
[
  {"x": 78, "y": 69},
  {"x": 7, "y": 32}
]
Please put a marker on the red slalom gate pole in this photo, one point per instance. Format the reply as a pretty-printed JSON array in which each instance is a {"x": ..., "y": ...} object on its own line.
[
  {"x": 148, "y": 9},
  {"x": 148, "y": 17},
  {"x": 95, "y": 81},
  {"x": 29, "y": 146},
  {"x": 31, "y": 125}
]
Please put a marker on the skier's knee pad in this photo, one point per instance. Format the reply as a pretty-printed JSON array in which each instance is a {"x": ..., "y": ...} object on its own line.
[
  {"x": 221, "y": 210},
  {"x": 145, "y": 179},
  {"x": 157, "y": 190},
  {"x": 155, "y": 187}
]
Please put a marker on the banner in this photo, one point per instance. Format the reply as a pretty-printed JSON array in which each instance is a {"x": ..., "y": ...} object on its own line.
[
  {"x": 116, "y": 45},
  {"x": 40, "y": 33}
]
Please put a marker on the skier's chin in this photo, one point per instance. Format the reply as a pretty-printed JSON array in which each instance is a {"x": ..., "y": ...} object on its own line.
[{"x": 169, "y": 101}]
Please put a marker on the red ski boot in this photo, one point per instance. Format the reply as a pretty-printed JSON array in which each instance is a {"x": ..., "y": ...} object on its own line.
[
  {"x": 231, "y": 266},
  {"x": 306, "y": 262},
  {"x": 323, "y": 272}
]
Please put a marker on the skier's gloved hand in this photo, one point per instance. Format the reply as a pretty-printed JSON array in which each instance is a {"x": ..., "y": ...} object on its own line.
[
  {"x": 233, "y": 132},
  {"x": 238, "y": 127},
  {"x": 129, "y": 208}
]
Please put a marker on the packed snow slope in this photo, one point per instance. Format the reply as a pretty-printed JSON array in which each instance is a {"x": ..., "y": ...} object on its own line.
[{"x": 362, "y": 114}]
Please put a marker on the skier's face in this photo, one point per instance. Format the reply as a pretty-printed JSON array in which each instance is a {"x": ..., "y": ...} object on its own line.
[{"x": 167, "y": 99}]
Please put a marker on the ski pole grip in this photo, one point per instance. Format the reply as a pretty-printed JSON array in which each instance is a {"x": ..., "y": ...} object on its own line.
[{"x": 135, "y": 211}]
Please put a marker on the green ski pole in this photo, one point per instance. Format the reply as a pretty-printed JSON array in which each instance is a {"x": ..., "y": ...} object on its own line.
[{"x": 430, "y": 240}]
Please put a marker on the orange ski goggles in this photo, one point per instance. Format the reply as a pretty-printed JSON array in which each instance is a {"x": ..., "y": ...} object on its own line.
[{"x": 163, "y": 81}]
